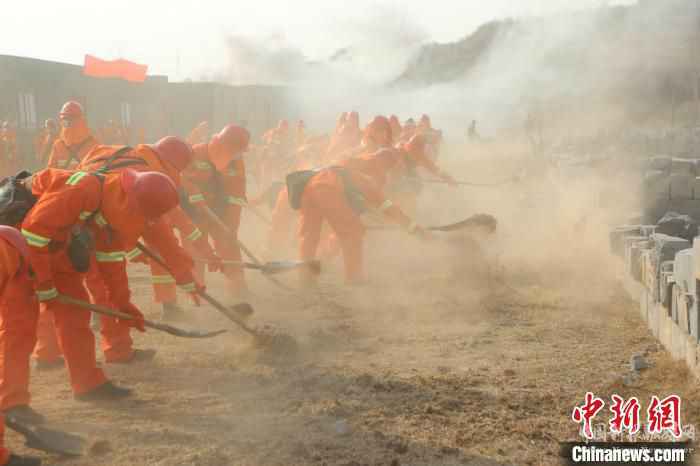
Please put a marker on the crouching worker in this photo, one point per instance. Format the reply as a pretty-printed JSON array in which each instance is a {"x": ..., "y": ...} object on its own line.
[
  {"x": 62, "y": 215},
  {"x": 18, "y": 313},
  {"x": 339, "y": 196}
]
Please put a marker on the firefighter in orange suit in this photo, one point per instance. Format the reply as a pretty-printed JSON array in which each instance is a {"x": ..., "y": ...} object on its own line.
[
  {"x": 115, "y": 209},
  {"x": 75, "y": 139},
  {"x": 217, "y": 179},
  {"x": 339, "y": 196},
  {"x": 17, "y": 303}
]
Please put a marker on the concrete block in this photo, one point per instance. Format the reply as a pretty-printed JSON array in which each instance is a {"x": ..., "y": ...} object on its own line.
[
  {"x": 691, "y": 353},
  {"x": 664, "y": 330},
  {"x": 660, "y": 163},
  {"x": 655, "y": 313},
  {"x": 677, "y": 342},
  {"x": 683, "y": 166},
  {"x": 696, "y": 256},
  {"x": 682, "y": 186},
  {"x": 683, "y": 315},
  {"x": 675, "y": 303}
]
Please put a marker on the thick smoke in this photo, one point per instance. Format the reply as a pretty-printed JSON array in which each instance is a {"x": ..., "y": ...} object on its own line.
[
  {"x": 614, "y": 62},
  {"x": 617, "y": 63}
]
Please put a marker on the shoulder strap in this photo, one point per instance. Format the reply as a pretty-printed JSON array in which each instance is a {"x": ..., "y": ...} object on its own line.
[
  {"x": 74, "y": 151},
  {"x": 109, "y": 163}
]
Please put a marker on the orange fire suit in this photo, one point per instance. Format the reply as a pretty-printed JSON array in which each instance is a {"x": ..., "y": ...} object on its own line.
[
  {"x": 325, "y": 199},
  {"x": 17, "y": 324},
  {"x": 377, "y": 165},
  {"x": 66, "y": 152},
  {"x": 116, "y": 343},
  {"x": 224, "y": 191},
  {"x": 4, "y": 452},
  {"x": 71, "y": 146},
  {"x": 18, "y": 319},
  {"x": 64, "y": 199},
  {"x": 143, "y": 158}
]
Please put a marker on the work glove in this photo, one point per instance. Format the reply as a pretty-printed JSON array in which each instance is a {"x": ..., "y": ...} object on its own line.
[
  {"x": 137, "y": 320},
  {"x": 46, "y": 291},
  {"x": 449, "y": 180},
  {"x": 215, "y": 264},
  {"x": 420, "y": 232},
  {"x": 193, "y": 289}
]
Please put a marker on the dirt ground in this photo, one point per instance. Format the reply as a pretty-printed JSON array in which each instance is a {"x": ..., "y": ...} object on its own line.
[{"x": 447, "y": 357}]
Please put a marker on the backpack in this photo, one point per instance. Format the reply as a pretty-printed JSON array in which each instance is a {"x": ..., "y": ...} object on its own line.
[{"x": 15, "y": 199}]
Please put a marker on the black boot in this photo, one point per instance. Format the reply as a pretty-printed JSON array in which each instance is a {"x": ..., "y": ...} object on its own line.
[
  {"x": 138, "y": 355},
  {"x": 23, "y": 461},
  {"x": 24, "y": 414},
  {"x": 105, "y": 392},
  {"x": 172, "y": 312}
]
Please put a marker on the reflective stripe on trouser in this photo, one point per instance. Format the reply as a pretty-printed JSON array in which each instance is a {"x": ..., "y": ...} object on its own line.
[
  {"x": 19, "y": 311},
  {"x": 324, "y": 201},
  {"x": 164, "y": 289},
  {"x": 73, "y": 331},
  {"x": 116, "y": 342},
  {"x": 4, "y": 452}
]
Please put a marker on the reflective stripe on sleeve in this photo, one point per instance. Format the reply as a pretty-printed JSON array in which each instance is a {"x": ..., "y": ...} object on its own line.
[
  {"x": 45, "y": 295},
  {"x": 136, "y": 252},
  {"x": 195, "y": 235},
  {"x": 114, "y": 256},
  {"x": 385, "y": 205},
  {"x": 202, "y": 165},
  {"x": 189, "y": 287},
  {"x": 236, "y": 201},
  {"x": 194, "y": 198},
  {"x": 100, "y": 220},
  {"x": 162, "y": 279},
  {"x": 35, "y": 240},
  {"x": 75, "y": 178}
]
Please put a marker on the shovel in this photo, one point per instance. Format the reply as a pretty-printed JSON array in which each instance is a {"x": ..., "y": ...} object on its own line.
[
  {"x": 233, "y": 313},
  {"x": 175, "y": 331},
  {"x": 48, "y": 440},
  {"x": 275, "y": 267},
  {"x": 215, "y": 218},
  {"x": 475, "y": 221}
]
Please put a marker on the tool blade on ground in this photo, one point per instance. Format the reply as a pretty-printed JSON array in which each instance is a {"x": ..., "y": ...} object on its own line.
[
  {"x": 48, "y": 440},
  {"x": 175, "y": 331},
  {"x": 273, "y": 267},
  {"x": 182, "y": 333},
  {"x": 485, "y": 221}
]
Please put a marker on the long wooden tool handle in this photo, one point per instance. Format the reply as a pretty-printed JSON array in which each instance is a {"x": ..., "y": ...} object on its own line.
[
  {"x": 104, "y": 310},
  {"x": 204, "y": 295},
  {"x": 243, "y": 247},
  {"x": 258, "y": 214}
]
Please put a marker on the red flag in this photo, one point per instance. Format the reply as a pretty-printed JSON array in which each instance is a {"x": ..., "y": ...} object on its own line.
[{"x": 122, "y": 69}]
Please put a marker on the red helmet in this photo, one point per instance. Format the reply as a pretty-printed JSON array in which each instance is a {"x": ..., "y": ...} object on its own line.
[
  {"x": 151, "y": 193},
  {"x": 425, "y": 121},
  {"x": 15, "y": 238},
  {"x": 175, "y": 151},
  {"x": 416, "y": 145},
  {"x": 71, "y": 110},
  {"x": 233, "y": 138},
  {"x": 379, "y": 125}
]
